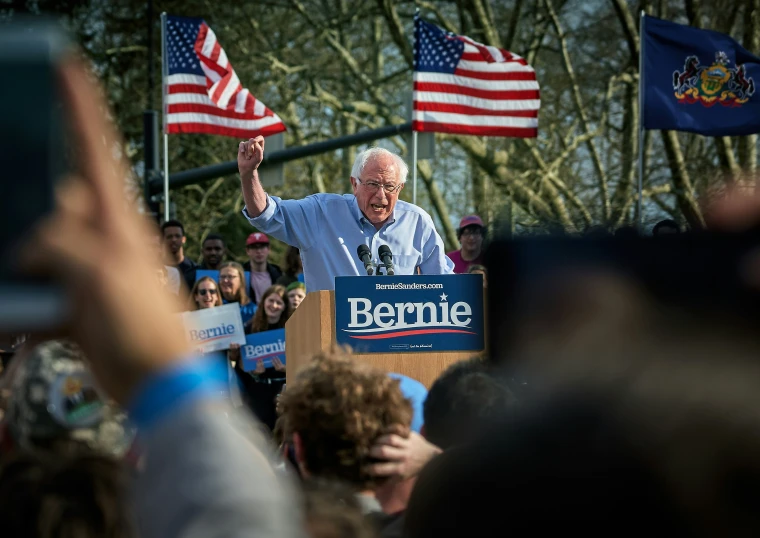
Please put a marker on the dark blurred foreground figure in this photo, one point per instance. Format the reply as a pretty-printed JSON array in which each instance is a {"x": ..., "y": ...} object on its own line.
[
  {"x": 672, "y": 448},
  {"x": 466, "y": 397},
  {"x": 666, "y": 227},
  {"x": 643, "y": 409},
  {"x": 67, "y": 493}
]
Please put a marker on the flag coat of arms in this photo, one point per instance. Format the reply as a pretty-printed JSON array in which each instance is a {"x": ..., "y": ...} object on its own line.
[
  {"x": 202, "y": 92},
  {"x": 464, "y": 87},
  {"x": 700, "y": 81}
]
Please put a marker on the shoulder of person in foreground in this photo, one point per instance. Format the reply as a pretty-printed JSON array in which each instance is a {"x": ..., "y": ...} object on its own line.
[{"x": 227, "y": 480}]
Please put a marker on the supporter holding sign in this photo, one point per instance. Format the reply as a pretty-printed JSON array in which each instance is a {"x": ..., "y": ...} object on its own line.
[
  {"x": 262, "y": 384},
  {"x": 232, "y": 286},
  {"x": 205, "y": 294}
]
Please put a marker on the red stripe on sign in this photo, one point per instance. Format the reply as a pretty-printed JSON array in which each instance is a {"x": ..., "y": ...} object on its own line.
[
  {"x": 514, "y": 132},
  {"x": 424, "y": 106},
  {"x": 409, "y": 333},
  {"x": 499, "y": 95}
]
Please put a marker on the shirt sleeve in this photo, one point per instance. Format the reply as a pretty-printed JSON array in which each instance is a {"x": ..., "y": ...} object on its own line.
[
  {"x": 434, "y": 259},
  {"x": 295, "y": 222}
]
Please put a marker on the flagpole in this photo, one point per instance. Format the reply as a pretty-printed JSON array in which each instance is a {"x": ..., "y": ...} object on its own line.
[
  {"x": 414, "y": 167},
  {"x": 639, "y": 201},
  {"x": 164, "y": 77}
]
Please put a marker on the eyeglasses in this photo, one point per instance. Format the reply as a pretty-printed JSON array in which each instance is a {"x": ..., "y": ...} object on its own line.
[
  {"x": 205, "y": 292},
  {"x": 229, "y": 277},
  {"x": 472, "y": 232},
  {"x": 374, "y": 185}
]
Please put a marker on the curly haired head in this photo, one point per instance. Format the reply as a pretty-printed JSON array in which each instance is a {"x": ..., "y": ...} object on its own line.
[{"x": 339, "y": 407}]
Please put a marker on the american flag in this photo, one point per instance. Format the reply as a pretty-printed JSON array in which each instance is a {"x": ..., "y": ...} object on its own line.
[
  {"x": 464, "y": 87},
  {"x": 202, "y": 92}
]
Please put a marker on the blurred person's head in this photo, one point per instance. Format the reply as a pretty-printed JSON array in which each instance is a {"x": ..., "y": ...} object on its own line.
[
  {"x": 272, "y": 311},
  {"x": 627, "y": 232},
  {"x": 334, "y": 412},
  {"x": 55, "y": 406},
  {"x": 205, "y": 294},
  {"x": 64, "y": 495},
  {"x": 471, "y": 233},
  {"x": 666, "y": 227},
  {"x": 232, "y": 283},
  {"x": 293, "y": 264},
  {"x": 466, "y": 397},
  {"x": 296, "y": 292},
  {"x": 332, "y": 510},
  {"x": 257, "y": 248},
  {"x": 213, "y": 251},
  {"x": 479, "y": 270},
  {"x": 173, "y": 237}
]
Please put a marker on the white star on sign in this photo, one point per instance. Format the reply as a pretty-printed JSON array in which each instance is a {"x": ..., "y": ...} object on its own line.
[{"x": 444, "y": 297}]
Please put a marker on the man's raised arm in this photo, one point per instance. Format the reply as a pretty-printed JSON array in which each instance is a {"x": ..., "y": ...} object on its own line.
[{"x": 250, "y": 155}]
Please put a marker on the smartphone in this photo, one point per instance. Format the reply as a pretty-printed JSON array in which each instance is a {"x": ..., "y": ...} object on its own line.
[{"x": 32, "y": 159}]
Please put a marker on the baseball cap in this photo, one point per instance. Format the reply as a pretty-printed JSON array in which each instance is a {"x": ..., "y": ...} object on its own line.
[
  {"x": 257, "y": 238},
  {"x": 470, "y": 220},
  {"x": 416, "y": 393},
  {"x": 54, "y": 395}
]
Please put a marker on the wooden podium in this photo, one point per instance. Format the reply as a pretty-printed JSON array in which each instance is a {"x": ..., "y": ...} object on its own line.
[{"x": 311, "y": 329}]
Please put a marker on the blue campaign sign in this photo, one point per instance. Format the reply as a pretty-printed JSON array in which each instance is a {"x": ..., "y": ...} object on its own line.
[
  {"x": 200, "y": 273},
  {"x": 410, "y": 313},
  {"x": 263, "y": 346}
]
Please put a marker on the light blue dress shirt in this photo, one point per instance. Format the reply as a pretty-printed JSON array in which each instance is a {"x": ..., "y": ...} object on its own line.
[{"x": 328, "y": 228}]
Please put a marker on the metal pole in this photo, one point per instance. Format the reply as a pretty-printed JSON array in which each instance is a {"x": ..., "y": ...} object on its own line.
[
  {"x": 151, "y": 70},
  {"x": 165, "y": 74},
  {"x": 639, "y": 202},
  {"x": 414, "y": 167}
]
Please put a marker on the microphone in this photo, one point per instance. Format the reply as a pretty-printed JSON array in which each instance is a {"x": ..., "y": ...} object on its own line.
[
  {"x": 364, "y": 256},
  {"x": 387, "y": 258}
]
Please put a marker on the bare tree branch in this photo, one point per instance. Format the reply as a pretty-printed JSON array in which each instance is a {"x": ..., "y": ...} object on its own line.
[{"x": 581, "y": 109}]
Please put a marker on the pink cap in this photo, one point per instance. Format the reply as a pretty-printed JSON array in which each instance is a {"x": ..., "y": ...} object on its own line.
[
  {"x": 257, "y": 238},
  {"x": 471, "y": 220}
]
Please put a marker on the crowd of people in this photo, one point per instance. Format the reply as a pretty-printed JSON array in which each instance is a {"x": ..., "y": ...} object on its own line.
[{"x": 609, "y": 415}]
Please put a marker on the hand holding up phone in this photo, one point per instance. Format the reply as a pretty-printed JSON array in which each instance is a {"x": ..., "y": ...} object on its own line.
[{"x": 94, "y": 246}]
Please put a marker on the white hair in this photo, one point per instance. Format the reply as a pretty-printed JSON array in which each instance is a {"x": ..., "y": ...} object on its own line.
[{"x": 361, "y": 161}]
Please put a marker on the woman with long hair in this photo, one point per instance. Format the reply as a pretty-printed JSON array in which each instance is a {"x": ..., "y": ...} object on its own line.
[
  {"x": 232, "y": 286},
  {"x": 263, "y": 385},
  {"x": 273, "y": 310},
  {"x": 205, "y": 294}
]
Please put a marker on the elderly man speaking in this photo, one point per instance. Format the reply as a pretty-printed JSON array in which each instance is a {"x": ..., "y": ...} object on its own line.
[{"x": 328, "y": 228}]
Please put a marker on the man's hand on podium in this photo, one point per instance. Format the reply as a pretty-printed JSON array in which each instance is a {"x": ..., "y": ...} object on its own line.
[{"x": 405, "y": 453}]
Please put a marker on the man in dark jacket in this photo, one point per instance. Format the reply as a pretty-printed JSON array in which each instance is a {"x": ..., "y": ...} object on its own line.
[{"x": 263, "y": 273}]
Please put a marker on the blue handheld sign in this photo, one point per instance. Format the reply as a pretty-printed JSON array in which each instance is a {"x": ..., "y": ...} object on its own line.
[
  {"x": 263, "y": 346},
  {"x": 410, "y": 313}
]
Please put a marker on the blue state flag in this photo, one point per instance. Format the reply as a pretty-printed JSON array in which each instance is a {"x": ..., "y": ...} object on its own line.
[{"x": 698, "y": 81}]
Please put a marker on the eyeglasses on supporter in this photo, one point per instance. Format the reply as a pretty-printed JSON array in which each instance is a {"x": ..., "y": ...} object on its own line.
[
  {"x": 229, "y": 277},
  {"x": 389, "y": 188},
  {"x": 205, "y": 292}
]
